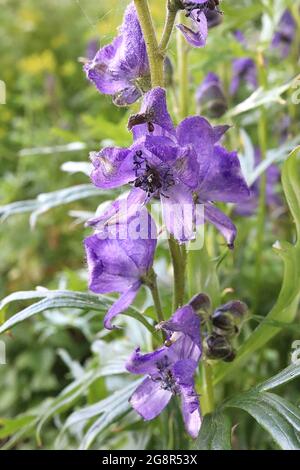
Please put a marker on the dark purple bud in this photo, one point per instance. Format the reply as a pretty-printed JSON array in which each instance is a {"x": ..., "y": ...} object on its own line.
[
  {"x": 285, "y": 34},
  {"x": 210, "y": 97},
  {"x": 213, "y": 18},
  {"x": 218, "y": 347},
  {"x": 200, "y": 302},
  {"x": 227, "y": 318}
]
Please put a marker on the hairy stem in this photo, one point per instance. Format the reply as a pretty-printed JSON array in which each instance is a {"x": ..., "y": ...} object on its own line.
[{"x": 155, "y": 57}]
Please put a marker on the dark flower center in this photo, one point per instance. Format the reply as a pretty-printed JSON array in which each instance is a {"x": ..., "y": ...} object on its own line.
[
  {"x": 151, "y": 179},
  {"x": 165, "y": 377}
]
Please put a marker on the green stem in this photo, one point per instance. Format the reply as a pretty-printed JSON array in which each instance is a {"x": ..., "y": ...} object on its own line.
[
  {"x": 261, "y": 214},
  {"x": 208, "y": 400},
  {"x": 182, "y": 54},
  {"x": 179, "y": 273},
  {"x": 151, "y": 282},
  {"x": 168, "y": 27},
  {"x": 156, "y": 59}
]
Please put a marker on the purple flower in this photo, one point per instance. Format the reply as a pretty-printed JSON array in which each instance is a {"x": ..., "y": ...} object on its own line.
[
  {"x": 119, "y": 265},
  {"x": 121, "y": 68},
  {"x": 210, "y": 96},
  {"x": 220, "y": 176},
  {"x": 200, "y": 12},
  {"x": 243, "y": 69},
  {"x": 176, "y": 165},
  {"x": 170, "y": 371},
  {"x": 248, "y": 208},
  {"x": 156, "y": 165},
  {"x": 285, "y": 34}
]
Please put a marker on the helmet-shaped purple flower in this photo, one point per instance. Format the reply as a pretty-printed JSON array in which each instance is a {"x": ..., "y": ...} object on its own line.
[
  {"x": 120, "y": 265},
  {"x": 170, "y": 371},
  {"x": 210, "y": 97},
  {"x": 121, "y": 68},
  {"x": 177, "y": 165}
]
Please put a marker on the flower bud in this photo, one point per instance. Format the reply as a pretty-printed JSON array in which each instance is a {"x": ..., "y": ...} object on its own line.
[
  {"x": 200, "y": 302},
  {"x": 218, "y": 347},
  {"x": 227, "y": 318},
  {"x": 213, "y": 18},
  {"x": 210, "y": 97}
]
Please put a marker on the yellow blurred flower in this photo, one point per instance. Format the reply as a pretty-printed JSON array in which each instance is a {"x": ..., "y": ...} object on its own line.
[{"x": 38, "y": 63}]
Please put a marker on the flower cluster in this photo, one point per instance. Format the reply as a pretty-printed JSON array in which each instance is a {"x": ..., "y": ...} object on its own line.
[
  {"x": 170, "y": 370},
  {"x": 184, "y": 168}
]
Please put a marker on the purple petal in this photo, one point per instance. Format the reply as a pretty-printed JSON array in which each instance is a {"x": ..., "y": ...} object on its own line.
[
  {"x": 98, "y": 70},
  {"x": 124, "y": 301},
  {"x": 184, "y": 372},
  {"x": 223, "y": 180},
  {"x": 127, "y": 96},
  {"x": 178, "y": 212},
  {"x": 221, "y": 222},
  {"x": 111, "y": 269},
  {"x": 149, "y": 399},
  {"x": 113, "y": 167},
  {"x": 197, "y": 36},
  {"x": 126, "y": 218},
  {"x": 198, "y": 132},
  {"x": 186, "y": 321},
  {"x": 145, "y": 363},
  {"x": 117, "y": 65},
  {"x": 160, "y": 150},
  {"x": 187, "y": 167},
  {"x": 154, "y": 111}
]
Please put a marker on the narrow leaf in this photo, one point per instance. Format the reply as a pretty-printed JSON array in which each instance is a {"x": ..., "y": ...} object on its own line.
[
  {"x": 215, "y": 433},
  {"x": 276, "y": 415}
]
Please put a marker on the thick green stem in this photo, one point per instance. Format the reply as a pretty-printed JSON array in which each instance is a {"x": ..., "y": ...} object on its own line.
[
  {"x": 208, "y": 401},
  {"x": 156, "y": 58},
  {"x": 168, "y": 27},
  {"x": 179, "y": 273}
]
